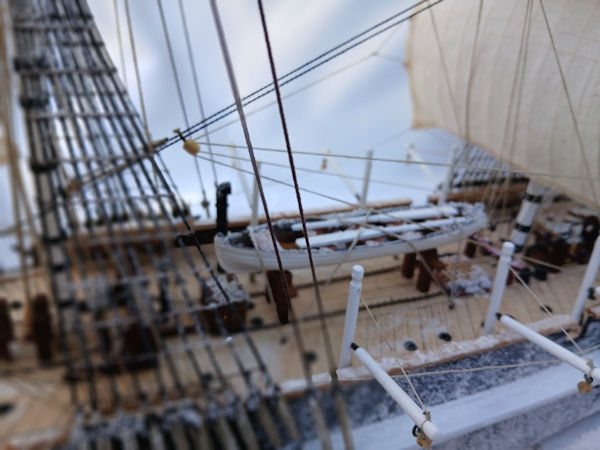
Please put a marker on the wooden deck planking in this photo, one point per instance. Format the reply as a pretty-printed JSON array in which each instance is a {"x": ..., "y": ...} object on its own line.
[
  {"x": 452, "y": 322},
  {"x": 547, "y": 294},
  {"x": 418, "y": 320},
  {"x": 413, "y": 328},
  {"x": 43, "y": 403},
  {"x": 519, "y": 303},
  {"x": 476, "y": 316}
]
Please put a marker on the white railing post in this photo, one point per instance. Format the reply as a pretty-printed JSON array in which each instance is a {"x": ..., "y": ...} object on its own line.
[
  {"x": 587, "y": 282},
  {"x": 254, "y": 201},
  {"x": 499, "y": 286},
  {"x": 412, "y": 410},
  {"x": 584, "y": 365},
  {"x": 366, "y": 179},
  {"x": 351, "y": 316}
]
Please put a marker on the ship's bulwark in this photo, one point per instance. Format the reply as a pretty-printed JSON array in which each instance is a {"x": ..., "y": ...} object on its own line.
[{"x": 369, "y": 404}]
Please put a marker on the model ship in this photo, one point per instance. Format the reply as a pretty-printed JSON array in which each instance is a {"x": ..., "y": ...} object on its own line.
[{"x": 136, "y": 326}]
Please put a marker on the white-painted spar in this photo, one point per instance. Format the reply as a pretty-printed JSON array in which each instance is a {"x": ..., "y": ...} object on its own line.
[
  {"x": 391, "y": 216},
  {"x": 342, "y": 237},
  {"x": 404, "y": 401},
  {"x": 358, "y": 272},
  {"x": 499, "y": 286},
  {"x": 551, "y": 347}
]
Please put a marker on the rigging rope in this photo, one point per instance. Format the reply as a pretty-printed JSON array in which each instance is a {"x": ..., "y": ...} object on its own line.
[
  {"x": 516, "y": 90},
  {"x": 444, "y": 63},
  {"x": 309, "y": 66},
  {"x": 121, "y": 260},
  {"x": 233, "y": 84},
  {"x": 404, "y": 373},
  {"x": 196, "y": 85},
  {"x": 565, "y": 87},
  {"x": 173, "y": 64},
  {"x": 322, "y": 172},
  {"x": 399, "y": 161},
  {"x": 321, "y": 310},
  {"x": 120, "y": 41},
  {"x": 198, "y": 327},
  {"x": 471, "y": 72},
  {"x": 138, "y": 78},
  {"x": 543, "y": 307},
  {"x": 86, "y": 142}
]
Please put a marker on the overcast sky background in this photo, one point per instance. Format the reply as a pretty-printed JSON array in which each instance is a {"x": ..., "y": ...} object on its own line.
[
  {"x": 350, "y": 112},
  {"x": 365, "y": 105}
]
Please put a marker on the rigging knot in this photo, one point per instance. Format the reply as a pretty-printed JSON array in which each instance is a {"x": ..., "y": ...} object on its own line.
[
  {"x": 189, "y": 145},
  {"x": 154, "y": 144},
  {"x": 324, "y": 163}
]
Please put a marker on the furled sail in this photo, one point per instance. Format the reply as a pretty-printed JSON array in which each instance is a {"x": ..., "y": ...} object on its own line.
[{"x": 491, "y": 76}]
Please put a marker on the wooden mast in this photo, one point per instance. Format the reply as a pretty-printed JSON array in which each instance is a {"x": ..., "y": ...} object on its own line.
[{"x": 19, "y": 195}]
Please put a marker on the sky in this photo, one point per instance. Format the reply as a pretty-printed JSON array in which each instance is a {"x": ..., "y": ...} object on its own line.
[
  {"x": 355, "y": 103},
  {"x": 347, "y": 113}
]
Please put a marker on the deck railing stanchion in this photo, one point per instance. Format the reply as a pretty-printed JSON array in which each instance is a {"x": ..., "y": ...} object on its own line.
[
  {"x": 499, "y": 286},
  {"x": 587, "y": 282},
  {"x": 351, "y": 316}
]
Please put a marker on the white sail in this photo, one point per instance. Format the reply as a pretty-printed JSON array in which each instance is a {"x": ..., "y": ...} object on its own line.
[{"x": 540, "y": 136}]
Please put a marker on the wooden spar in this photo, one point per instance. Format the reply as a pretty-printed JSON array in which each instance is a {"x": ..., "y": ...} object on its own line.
[
  {"x": 366, "y": 179},
  {"x": 340, "y": 173},
  {"x": 236, "y": 165},
  {"x": 17, "y": 186},
  {"x": 586, "y": 283},
  {"x": 352, "y": 308},
  {"x": 412, "y": 154},
  {"x": 447, "y": 186},
  {"x": 412, "y": 410},
  {"x": 585, "y": 366},
  {"x": 508, "y": 249}
]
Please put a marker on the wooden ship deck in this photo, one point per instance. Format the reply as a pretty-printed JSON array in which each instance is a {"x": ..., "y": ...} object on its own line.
[
  {"x": 397, "y": 314},
  {"x": 129, "y": 317}
]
